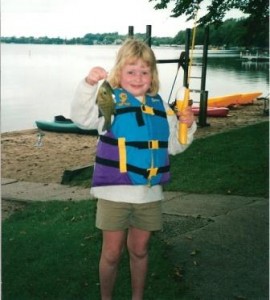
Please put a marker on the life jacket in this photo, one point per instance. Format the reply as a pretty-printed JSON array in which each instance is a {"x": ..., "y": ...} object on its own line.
[{"x": 135, "y": 149}]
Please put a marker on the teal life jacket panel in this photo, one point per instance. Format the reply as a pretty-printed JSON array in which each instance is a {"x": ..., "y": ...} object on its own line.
[{"x": 135, "y": 150}]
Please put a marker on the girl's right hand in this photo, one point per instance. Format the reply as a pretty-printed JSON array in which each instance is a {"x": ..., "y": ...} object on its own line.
[{"x": 95, "y": 75}]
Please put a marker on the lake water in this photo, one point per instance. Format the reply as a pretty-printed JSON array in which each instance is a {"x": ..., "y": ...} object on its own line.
[{"x": 38, "y": 81}]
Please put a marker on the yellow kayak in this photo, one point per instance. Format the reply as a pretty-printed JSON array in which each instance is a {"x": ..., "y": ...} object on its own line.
[{"x": 233, "y": 99}]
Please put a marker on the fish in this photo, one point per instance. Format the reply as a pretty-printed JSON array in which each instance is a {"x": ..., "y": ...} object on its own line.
[{"x": 106, "y": 103}]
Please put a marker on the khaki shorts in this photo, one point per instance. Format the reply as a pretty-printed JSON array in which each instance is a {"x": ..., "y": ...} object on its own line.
[{"x": 116, "y": 216}]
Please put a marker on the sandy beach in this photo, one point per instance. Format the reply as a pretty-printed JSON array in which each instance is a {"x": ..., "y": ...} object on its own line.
[{"x": 23, "y": 160}]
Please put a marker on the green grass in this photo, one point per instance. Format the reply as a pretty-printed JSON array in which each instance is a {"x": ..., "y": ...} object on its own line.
[
  {"x": 235, "y": 162},
  {"x": 51, "y": 251}
]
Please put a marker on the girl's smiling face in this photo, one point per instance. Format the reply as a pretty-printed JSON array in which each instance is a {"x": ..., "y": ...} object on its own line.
[{"x": 136, "y": 78}]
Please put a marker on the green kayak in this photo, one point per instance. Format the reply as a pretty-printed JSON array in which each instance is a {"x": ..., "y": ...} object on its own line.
[{"x": 61, "y": 124}]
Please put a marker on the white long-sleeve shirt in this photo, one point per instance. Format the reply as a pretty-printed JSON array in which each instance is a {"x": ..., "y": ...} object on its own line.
[{"x": 84, "y": 113}]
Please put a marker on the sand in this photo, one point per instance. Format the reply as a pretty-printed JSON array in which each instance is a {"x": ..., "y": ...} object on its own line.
[{"x": 23, "y": 160}]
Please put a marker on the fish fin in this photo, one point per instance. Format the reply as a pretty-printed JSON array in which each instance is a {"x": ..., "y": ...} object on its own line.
[
  {"x": 100, "y": 113},
  {"x": 106, "y": 126}
]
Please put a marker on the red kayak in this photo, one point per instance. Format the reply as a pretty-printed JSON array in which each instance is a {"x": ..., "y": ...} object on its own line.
[{"x": 213, "y": 111}]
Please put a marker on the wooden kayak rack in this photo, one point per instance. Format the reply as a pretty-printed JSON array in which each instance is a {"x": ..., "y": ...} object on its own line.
[{"x": 183, "y": 61}]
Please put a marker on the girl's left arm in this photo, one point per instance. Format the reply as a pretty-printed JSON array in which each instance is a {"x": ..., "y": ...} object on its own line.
[{"x": 174, "y": 146}]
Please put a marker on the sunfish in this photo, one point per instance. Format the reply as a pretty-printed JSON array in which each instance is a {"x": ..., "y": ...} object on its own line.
[{"x": 106, "y": 103}]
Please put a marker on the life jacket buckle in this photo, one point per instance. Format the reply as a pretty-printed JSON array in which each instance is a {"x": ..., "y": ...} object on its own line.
[
  {"x": 147, "y": 110},
  {"x": 153, "y": 144},
  {"x": 152, "y": 172}
]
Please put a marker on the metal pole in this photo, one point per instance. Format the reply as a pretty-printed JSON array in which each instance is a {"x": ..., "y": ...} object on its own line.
[
  {"x": 204, "y": 58},
  {"x": 187, "y": 44},
  {"x": 203, "y": 109},
  {"x": 204, "y": 94},
  {"x": 148, "y": 35},
  {"x": 131, "y": 31}
]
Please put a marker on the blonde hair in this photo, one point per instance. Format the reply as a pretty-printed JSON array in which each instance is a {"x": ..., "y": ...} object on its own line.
[{"x": 131, "y": 51}]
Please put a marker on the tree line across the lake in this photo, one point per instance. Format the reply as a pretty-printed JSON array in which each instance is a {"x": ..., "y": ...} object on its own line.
[{"x": 232, "y": 33}]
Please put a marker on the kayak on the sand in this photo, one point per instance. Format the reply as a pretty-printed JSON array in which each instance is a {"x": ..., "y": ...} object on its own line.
[{"x": 61, "y": 124}]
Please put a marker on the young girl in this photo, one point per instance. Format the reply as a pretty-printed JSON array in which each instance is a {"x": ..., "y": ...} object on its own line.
[{"x": 132, "y": 160}]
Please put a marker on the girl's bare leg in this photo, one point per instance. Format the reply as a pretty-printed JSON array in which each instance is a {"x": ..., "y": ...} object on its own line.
[
  {"x": 137, "y": 243},
  {"x": 113, "y": 242}
]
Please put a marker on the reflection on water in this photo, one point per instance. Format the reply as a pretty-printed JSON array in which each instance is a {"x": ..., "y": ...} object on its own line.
[
  {"x": 246, "y": 68},
  {"x": 256, "y": 66},
  {"x": 38, "y": 81}
]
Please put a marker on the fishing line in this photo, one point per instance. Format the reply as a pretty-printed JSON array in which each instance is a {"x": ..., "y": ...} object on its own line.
[
  {"x": 191, "y": 57},
  {"x": 175, "y": 77},
  {"x": 192, "y": 46}
]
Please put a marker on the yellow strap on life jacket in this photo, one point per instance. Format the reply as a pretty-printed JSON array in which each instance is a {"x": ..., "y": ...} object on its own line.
[
  {"x": 152, "y": 172},
  {"x": 122, "y": 155}
]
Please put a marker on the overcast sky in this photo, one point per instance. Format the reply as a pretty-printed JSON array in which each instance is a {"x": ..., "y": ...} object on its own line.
[{"x": 75, "y": 18}]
